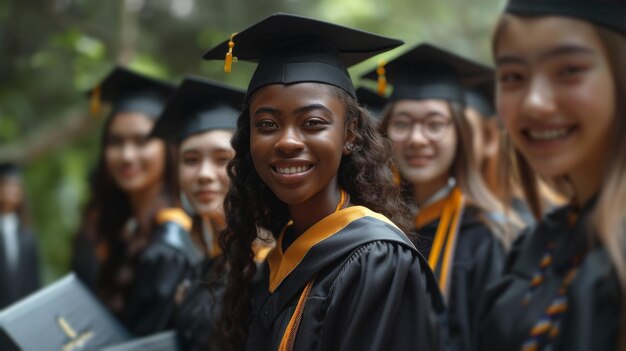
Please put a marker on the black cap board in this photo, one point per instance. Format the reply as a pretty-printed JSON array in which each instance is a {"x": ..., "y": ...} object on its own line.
[
  {"x": 129, "y": 91},
  {"x": 373, "y": 102},
  {"x": 482, "y": 99},
  {"x": 199, "y": 105},
  {"x": 293, "y": 49},
  {"x": 606, "y": 13},
  {"x": 429, "y": 72}
]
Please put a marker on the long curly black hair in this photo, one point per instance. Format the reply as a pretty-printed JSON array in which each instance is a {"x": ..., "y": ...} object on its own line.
[{"x": 249, "y": 205}]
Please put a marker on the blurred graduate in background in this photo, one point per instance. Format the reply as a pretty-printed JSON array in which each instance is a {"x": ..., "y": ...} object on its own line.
[
  {"x": 19, "y": 258},
  {"x": 134, "y": 231},
  {"x": 459, "y": 223}
]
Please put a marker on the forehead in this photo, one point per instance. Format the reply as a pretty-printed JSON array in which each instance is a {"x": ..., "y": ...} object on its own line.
[
  {"x": 209, "y": 140},
  {"x": 531, "y": 35},
  {"x": 130, "y": 123},
  {"x": 420, "y": 106},
  {"x": 294, "y": 94}
]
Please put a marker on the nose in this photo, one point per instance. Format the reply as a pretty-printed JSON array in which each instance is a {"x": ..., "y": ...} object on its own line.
[
  {"x": 207, "y": 172},
  {"x": 128, "y": 151},
  {"x": 416, "y": 136},
  {"x": 539, "y": 100},
  {"x": 289, "y": 142}
]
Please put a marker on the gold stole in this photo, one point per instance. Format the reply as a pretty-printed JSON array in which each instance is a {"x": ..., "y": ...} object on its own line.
[{"x": 449, "y": 210}]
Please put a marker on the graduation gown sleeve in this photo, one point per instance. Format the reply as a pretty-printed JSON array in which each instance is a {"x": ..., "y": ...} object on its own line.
[
  {"x": 379, "y": 301},
  {"x": 196, "y": 315},
  {"x": 162, "y": 266}
]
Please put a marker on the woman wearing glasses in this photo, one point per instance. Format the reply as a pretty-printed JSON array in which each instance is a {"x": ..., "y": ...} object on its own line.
[{"x": 456, "y": 222}]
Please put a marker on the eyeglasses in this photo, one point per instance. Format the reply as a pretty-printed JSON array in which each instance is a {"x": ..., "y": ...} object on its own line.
[{"x": 432, "y": 128}]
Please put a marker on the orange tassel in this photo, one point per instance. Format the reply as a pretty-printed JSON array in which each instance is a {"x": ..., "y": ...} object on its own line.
[
  {"x": 228, "y": 62},
  {"x": 382, "y": 79},
  {"x": 95, "y": 101}
]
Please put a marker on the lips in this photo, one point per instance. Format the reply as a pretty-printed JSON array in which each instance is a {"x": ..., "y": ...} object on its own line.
[
  {"x": 206, "y": 195},
  {"x": 291, "y": 173},
  {"x": 548, "y": 134},
  {"x": 292, "y": 169},
  {"x": 418, "y": 160},
  {"x": 128, "y": 172}
]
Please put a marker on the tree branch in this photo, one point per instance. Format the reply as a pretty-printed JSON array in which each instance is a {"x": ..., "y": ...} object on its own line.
[{"x": 49, "y": 138}]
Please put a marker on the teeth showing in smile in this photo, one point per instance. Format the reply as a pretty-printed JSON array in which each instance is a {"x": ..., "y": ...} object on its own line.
[
  {"x": 292, "y": 170},
  {"x": 547, "y": 134}
]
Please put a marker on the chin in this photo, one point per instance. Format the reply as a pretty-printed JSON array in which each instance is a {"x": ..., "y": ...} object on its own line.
[
  {"x": 130, "y": 187},
  {"x": 290, "y": 197}
]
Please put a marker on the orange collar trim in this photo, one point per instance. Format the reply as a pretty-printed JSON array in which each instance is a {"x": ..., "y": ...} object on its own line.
[
  {"x": 431, "y": 212},
  {"x": 282, "y": 264},
  {"x": 176, "y": 215}
]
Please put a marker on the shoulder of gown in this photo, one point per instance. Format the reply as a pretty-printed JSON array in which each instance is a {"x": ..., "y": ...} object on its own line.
[
  {"x": 164, "y": 263},
  {"x": 381, "y": 299}
]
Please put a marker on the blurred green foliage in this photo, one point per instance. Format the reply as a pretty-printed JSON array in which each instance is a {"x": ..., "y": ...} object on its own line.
[{"x": 53, "y": 51}]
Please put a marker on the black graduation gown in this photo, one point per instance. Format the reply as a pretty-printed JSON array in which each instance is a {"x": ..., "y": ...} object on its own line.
[
  {"x": 162, "y": 265},
  {"x": 24, "y": 278},
  {"x": 372, "y": 290},
  {"x": 196, "y": 315},
  {"x": 592, "y": 319},
  {"x": 84, "y": 262},
  {"x": 478, "y": 261}
]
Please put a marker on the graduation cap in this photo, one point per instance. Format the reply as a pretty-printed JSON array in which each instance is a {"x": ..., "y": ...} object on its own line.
[
  {"x": 482, "y": 99},
  {"x": 199, "y": 105},
  {"x": 129, "y": 91},
  {"x": 371, "y": 100},
  {"x": 9, "y": 169},
  {"x": 428, "y": 72},
  {"x": 292, "y": 49},
  {"x": 606, "y": 13}
]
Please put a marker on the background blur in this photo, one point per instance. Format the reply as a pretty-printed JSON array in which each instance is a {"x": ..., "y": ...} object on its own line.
[{"x": 52, "y": 51}]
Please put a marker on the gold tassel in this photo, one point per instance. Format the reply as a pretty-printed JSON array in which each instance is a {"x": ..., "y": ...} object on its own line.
[
  {"x": 382, "y": 79},
  {"x": 95, "y": 102},
  {"x": 228, "y": 62}
]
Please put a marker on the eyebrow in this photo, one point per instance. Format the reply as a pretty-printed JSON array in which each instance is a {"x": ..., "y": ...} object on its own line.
[
  {"x": 218, "y": 148},
  {"x": 312, "y": 107},
  {"x": 562, "y": 50},
  {"x": 264, "y": 109},
  {"x": 424, "y": 116}
]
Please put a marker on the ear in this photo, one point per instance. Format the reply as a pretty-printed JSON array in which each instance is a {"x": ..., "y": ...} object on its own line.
[{"x": 348, "y": 145}]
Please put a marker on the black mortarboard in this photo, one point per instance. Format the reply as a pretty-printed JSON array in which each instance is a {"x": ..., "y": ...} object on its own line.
[
  {"x": 199, "y": 105},
  {"x": 10, "y": 169},
  {"x": 130, "y": 91},
  {"x": 373, "y": 102},
  {"x": 606, "y": 13},
  {"x": 428, "y": 72},
  {"x": 293, "y": 49},
  {"x": 482, "y": 98}
]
